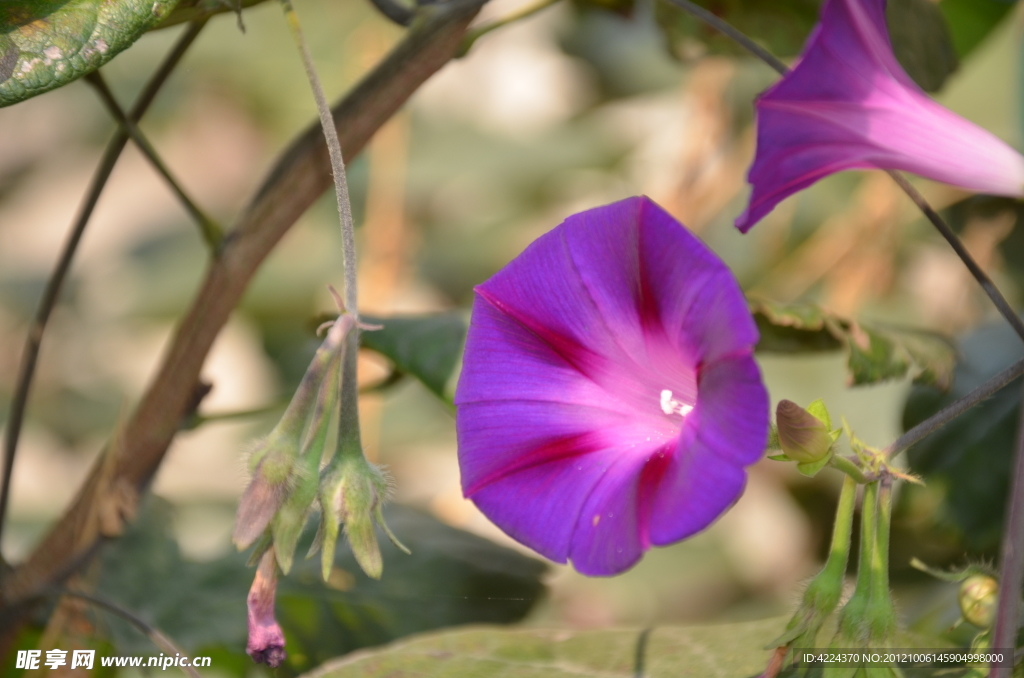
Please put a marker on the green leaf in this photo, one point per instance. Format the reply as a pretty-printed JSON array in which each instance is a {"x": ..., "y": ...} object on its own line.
[
  {"x": 820, "y": 412},
  {"x": 719, "y": 651},
  {"x": 428, "y": 347},
  {"x": 451, "y": 578},
  {"x": 921, "y": 41},
  {"x": 972, "y": 20},
  {"x": 967, "y": 462},
  {"x": 45, "y": 44},
  {"x": 875, "y": 352},
  {"x": 811, "y": 468}
]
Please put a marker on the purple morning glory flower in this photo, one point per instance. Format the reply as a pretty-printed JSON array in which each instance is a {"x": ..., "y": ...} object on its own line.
[
  {"x": 848, "y": 104},
  {"x": 609, "y": 399}
]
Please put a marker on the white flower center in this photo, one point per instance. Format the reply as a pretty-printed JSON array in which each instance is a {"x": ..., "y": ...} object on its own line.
[{"x": 670, "y": 405}]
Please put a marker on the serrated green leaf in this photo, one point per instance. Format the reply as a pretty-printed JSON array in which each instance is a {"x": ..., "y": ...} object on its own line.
[
  {"x": 818, "y": 410},
  {"x": 45, "y": 44},
  {"x": 428, "y": 347},
  {"x": 875, "y": 352},
  {"x": 811, "y": 468},
  {"x": 719, "y": 651}
]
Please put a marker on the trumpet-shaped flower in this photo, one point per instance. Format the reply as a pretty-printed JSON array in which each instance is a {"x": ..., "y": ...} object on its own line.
[
  {"x": 848, "y": 104},
  {"x": 609, "y": 400}
]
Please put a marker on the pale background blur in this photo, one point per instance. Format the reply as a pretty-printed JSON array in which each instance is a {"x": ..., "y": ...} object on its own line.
[{"x": 555, "y": 114}]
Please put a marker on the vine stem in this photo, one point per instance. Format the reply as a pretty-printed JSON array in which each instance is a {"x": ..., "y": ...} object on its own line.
[
  {"x": 947, "y": 414},
  {"x": 929, "y": 212},
  {"x": 1011, "y": 566},
  {"x": 33, "y": 342},
  {"x": 212, "y": 233},
  {"x": 348, "y": 238},
  {"x": 154, "y": 634}
]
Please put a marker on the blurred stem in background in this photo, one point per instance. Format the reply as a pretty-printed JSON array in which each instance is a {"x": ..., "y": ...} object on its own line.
[{"x": 30, "y": 355}]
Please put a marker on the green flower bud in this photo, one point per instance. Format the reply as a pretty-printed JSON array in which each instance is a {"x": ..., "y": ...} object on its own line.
[
  {"x": 803, "y": 437},
  {"x": 352, "y": 494},
  {"x": 978, "y": 596}
]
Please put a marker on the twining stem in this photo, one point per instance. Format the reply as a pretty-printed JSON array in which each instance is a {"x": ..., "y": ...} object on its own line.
[
  {"x": 348, "y": 238},
  {"x": 395, "y": 11},
  {"x": 958, "y": 246},
  {"x": 151, "y": 632},
  {"x": 529, "y": 10},
  {"x": 986, "y": 283},
  {"x": 1011, "y": 567},
  {"x": 212, "y": 233},
  {"x": 30, "y": 355},
  {"x": 951, "y": 412}
]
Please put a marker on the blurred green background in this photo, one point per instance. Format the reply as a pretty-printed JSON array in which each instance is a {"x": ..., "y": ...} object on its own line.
[{"x": 576, "y": 106}]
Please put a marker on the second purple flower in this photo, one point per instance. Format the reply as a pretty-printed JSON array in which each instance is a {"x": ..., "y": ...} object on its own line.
[{"x": 609, "y": 400}]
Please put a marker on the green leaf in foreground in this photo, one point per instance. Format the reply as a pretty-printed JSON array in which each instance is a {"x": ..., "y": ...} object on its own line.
[
  {"x": 875, "y": 352},
  {"x": 724, "y": 651},
  {"x": 45, "y": 44},
  {"x": 427, "y": 347}
]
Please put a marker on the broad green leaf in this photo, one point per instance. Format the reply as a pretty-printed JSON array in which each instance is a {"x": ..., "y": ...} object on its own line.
[
  {"x": 967, "y": 462},
  {"x": 427, "y": 347},
  {"x": 720, "y": 651},
  {"x": 45, "y": 44},
  {"x": 972, "y": 20},
  {"x": 921, "y": 41},
  {"x": 451, "y": 578},
  {"x": 875, "y": 352}
]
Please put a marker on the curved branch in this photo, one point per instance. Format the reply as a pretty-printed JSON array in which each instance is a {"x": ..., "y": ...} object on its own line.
[{"x": 300, "y": 176}]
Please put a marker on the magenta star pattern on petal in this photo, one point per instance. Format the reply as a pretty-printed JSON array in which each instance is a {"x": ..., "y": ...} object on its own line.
[
  {"x": 609, "y": 400},
  {"x": 848, "y": 104}
]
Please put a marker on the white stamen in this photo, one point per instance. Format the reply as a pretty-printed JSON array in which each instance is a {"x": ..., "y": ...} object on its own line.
[{"x": 670, "y": 405}]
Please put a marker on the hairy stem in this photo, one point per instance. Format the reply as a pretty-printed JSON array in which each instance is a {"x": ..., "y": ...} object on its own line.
[
  {"x": 208, "y": 227},
  {"x": 767, "y": 57},
  {"x": 30, "y": 355},
  {"x": 1011, "y": 567},
  {"x": 348, "y": 236},
  {"x": 951, "y": 412}
]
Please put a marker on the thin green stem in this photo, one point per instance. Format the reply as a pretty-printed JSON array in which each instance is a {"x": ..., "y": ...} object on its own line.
[
  {"x": 839, "y": 551},
  {"x": 851, "y": 470},
  {"x": 944, "y": 229},
  {"x": 348, "y": 238},
  {"x": 951, "y": 412},
  {"x": 880, "y": 557},
  {"x": 33, "y": 342},
  {"x": 211, "y": 231},
  {"x": 473, "y": 35}
]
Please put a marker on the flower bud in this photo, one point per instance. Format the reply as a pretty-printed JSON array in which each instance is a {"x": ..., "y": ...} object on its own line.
[
  {"x": 978, "y": 596},
  {"x": 352, "y": 493},
  {"x": 268, "y": 487},
  {"x": 266, "y": 640},
  {"x": 802, "y": 436}
]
